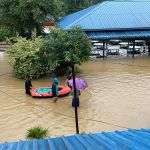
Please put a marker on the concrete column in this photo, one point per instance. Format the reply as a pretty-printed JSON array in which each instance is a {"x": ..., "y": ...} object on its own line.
[
  {"x": 133, "y": 50},
  {"x": 103, "y": 49}
]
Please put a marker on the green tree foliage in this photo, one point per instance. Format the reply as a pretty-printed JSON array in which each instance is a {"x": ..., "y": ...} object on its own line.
[
  {"x": 56, "y": 52},
  {"x": 5, "y": 33},
  {"x": 76, "y": 5},
  {"x": 27, "y": 58},
  {"x": 66, "y": 47},
  {"x": 27, "y": 15},
  {"x": 36, "y": 133}
]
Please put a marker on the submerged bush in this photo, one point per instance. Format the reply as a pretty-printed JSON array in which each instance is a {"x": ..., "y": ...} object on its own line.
[
  {"x": 27, "y": 58},
  {"x": 36, "y": 133}
]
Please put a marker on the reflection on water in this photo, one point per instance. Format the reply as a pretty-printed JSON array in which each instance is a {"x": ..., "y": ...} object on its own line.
[{"x": 117, "y": 98}]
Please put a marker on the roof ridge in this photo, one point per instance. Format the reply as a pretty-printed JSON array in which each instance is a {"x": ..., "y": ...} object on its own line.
[{"x": 96, "y": 7}]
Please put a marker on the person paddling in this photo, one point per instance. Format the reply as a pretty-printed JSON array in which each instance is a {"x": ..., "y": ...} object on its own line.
[{"x": 28, "y": 85}]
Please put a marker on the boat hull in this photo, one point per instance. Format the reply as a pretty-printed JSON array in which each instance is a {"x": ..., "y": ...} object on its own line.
[{"x": 45, "y": 92}]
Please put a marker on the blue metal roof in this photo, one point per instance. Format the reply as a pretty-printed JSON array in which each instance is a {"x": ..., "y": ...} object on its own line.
[
  {"x": 111, "y": 15},
  {"x": 118, "y": 140},
  {"x": 130, "y": 35}
]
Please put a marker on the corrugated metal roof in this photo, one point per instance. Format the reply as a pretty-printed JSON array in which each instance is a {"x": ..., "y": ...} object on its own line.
[
  {"x": 119, "y": 140},
  {"x": 111, "y": 15},
  {"x": 130, "y": 35}
]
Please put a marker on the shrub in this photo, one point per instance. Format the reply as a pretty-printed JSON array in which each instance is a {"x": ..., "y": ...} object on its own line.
[
  {"x": 57, "y": 52},
  {"x": 27, "y": 58},
  {"x": 5, "y": 33},
  {"x": 36, "y": 133},
  {"x": 66, "y": 47}
]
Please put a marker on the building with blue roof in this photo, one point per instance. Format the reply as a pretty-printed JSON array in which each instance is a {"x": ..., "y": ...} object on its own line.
[
  {"x": 118, "y": 19},
  {"x": 119, "y": 140}
]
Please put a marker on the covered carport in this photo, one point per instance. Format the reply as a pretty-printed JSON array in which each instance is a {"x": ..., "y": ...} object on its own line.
[{"x": 126, "y": 20}]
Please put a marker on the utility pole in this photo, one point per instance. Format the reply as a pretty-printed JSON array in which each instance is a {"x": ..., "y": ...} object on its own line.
[{"x": 75, "y": 99}]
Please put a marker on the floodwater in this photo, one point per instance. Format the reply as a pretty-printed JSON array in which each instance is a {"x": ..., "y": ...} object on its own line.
[{"x": 117, "y": 98}]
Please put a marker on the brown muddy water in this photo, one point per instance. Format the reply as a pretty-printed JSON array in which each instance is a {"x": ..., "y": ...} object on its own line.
[{"x": 118, "y": 97}]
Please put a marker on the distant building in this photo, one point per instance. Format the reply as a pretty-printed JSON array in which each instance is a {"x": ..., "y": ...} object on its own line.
[
  {"x": 48, "y": 24},
  {"x": 117, "y": 19}
]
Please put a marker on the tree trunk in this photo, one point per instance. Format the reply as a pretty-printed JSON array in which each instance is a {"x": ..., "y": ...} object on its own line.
[{"x": 34, "y": 32}]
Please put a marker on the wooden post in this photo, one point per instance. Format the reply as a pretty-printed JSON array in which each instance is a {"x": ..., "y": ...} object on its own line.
[
  {"x": 75, "y": 98},
  {"x": 133, "y": 52}
]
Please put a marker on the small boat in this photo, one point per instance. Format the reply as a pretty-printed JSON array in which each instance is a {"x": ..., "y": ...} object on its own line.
[{"x": 45, "y": 92}]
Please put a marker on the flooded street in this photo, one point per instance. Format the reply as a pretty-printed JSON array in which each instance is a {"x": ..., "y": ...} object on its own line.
[{"x": 117, "y": 98}]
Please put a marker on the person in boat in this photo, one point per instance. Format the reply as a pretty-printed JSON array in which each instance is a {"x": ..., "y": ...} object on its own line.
[
  {"x": 28, "y": 85},
  {"x": 55, "y": 88}
]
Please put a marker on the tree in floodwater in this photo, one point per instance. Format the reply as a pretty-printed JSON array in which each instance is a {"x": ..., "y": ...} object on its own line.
[
  {"x": 27, "y": 17},
  {"x": 27, "y": 58},
  {"x": 64, "y": 48},
  {"x": 56, "y": 52}
]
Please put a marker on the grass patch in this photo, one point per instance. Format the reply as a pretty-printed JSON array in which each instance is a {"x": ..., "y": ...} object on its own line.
[{"x": 36, "y": 133}]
